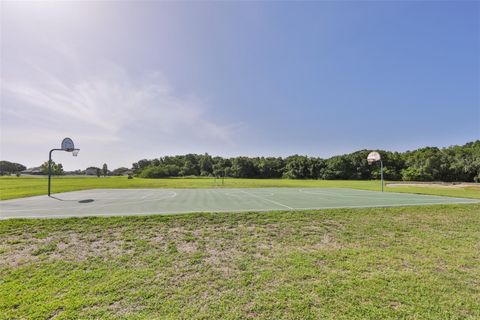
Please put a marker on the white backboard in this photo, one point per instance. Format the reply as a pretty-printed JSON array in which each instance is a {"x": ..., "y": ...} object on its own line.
[
  {"x": 373, "y": 156},
  {"x": 67, "y": 144}
]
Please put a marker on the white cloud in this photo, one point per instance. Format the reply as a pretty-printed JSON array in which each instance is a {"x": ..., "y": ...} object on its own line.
[
  {"x": 74, "y": 70},
  {"x": 108, "y": 102},
  {"x": 107, "y": 109}
]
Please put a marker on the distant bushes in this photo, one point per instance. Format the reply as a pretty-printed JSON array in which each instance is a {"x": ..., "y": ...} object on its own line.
[
  {"x": 163, "y": 171},
  {"x": 455, "y": 163},
  {"x": 120, "y": 171},
  {"x": 7, "y": 167}
]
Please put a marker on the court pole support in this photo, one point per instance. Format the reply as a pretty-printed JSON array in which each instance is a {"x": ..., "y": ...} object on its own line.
[
  {"x": 50, "y": 168},
  {"x": 381, "y": 172}
]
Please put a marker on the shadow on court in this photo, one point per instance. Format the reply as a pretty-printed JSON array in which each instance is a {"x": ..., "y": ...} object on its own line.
[{"x": 79, "y": 201}]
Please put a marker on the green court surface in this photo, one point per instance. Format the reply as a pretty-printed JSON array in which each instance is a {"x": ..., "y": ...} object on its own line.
[{"x": 119, "y": 202}]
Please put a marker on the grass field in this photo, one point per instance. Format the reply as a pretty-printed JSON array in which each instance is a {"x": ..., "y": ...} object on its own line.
[
  {"x": 405, "y": 262},
  {"x": 13, "y": 187},
  {"x": 415, "y": 262}
]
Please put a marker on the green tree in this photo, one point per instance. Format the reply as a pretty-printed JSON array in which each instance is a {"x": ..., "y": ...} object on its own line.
[
  {"x": 337, "y": 167},
  {"x": 7, "y": 167},
  {"x": 140, "y": 165},
  {"x": 120, "y": 171},
  {"x": 206, "y": 165},
  {"x": 242, "y": 167},
  {"x": 190, "y": 166},
  {"x": 455, "y": 163},
  {"x": 105, "y": 170},
  {"x": 357, "y": 167},
  {"x": 297, "y": 167},
  {"x": 415, "y": 174},
  {"x": 56, "y": 169},
  {"x": 270, "y": 167},
  {"x": 162, "y": 171}
]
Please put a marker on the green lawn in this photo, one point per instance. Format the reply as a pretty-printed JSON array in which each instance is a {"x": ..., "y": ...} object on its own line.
[
  {"x": 396, "y": 263},
  {"x": 13, "y": 187}
]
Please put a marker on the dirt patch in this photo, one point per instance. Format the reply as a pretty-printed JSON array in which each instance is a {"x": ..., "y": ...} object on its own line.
[
  {"x": 121, "y": 308},
  {"x": 66, "y": 247},
  {"x": 186, "y": 247}
]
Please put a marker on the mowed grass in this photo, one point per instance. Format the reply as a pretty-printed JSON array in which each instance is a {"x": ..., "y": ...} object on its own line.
[
  {"x": 384, "y": 263},
  {"x": 18, "y": 187}
]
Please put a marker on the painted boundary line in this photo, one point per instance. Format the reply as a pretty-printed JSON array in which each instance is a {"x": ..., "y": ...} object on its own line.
[
  {"x": 139, "y": 214},
  {"x": 98, "y": 206},
  {"x": 268, "y": 200},
  {"x": 390, "y": 195}
]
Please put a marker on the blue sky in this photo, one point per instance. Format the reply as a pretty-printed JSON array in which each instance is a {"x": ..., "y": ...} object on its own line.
[{"x": 132, "y": 80}]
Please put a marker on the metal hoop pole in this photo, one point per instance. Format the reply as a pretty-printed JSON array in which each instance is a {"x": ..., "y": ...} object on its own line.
[
  {"x": 381, "y": 172},
  {"x": 50, "y": 168}
]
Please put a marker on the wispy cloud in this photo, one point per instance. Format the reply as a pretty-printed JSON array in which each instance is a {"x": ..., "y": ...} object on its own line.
[{"x": 109, "y": 102}]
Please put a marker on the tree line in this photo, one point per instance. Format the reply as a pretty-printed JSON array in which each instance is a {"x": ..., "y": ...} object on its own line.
[
  {"x": 454, "y": 163},
  {"x": 7, "y": 167}
]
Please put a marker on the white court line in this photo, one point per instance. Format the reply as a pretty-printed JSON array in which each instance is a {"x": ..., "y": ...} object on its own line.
[
  {"x": 232, "y": 194},
  {"x": 267, "y": 194},
  {"x": 83, "y": 193},
  {"x": 106, "y": 214},
  {"x": 389, "y": 205},
  {"x": 239, "y": 194},
  {"x": 121, "y": 214},
  {"x": 339, "y": 195},
  {"x": 374, "y": 192},
  {"x": 148, "y": 195},
  {"x": 274, "y": 202},
  {"x": 92, "y": 206},
  {"x": 385, "y": 195}
]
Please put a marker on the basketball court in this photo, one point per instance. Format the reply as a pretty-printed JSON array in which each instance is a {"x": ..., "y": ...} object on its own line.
[{"x": 122, "y": 202}]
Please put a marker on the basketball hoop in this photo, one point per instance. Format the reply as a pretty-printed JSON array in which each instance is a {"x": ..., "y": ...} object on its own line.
[
  {"x": 374, "y": 157},
  {"x": 68, "y": 146}
]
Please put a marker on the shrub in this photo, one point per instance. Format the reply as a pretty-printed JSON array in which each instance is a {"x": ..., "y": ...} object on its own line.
[
  {"x": 415, "y": 174},
  {"x": 163, "y": 171}
]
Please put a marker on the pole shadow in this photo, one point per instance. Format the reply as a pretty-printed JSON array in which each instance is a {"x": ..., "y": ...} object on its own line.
[
  {"x": 79, "y": 201},
  {"x": 86, "y": 201}
]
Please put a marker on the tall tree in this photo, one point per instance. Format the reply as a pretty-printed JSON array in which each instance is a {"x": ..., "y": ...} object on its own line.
[
  {"x": 56, "y": 169},
  {"x": 7, "y": 167},
  {"x": 105, "y": 170},
  {"x": 206, "y": 165}
]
